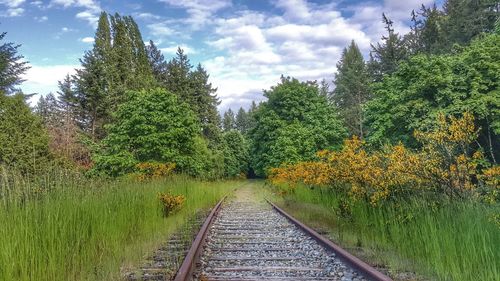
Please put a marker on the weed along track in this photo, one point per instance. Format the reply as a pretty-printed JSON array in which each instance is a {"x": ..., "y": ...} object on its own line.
[{"x": 250, "y": 239}]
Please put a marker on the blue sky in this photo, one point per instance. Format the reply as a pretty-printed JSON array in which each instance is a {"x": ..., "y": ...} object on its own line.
[{"x": 244, "y": 45}]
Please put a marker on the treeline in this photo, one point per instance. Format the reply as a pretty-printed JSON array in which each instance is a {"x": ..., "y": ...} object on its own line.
[
  {"x": 423, "y": 112},
  {"x": 125, "y": 106}
]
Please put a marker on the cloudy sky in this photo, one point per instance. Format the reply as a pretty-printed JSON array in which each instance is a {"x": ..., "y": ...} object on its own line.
[{"x": 244, "y": 44}]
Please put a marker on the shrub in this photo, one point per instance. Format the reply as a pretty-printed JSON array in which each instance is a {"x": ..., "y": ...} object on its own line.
[
  {"x": 445, "y": 164},
  {"x": 171, "y": 203},
  {"x": 154, "y": 170}
]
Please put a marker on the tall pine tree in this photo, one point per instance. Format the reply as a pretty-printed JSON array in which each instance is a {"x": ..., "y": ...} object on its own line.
[
  {"x": 12, "y": 66},
  {"x": 228, "y": 121},
  {"x": 205, "y": 101},
  {"x": 385, "y": 56},
  {"x": 352, "y": 89}
]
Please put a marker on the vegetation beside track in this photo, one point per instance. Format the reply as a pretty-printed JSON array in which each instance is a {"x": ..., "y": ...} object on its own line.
[{"x": 87, "y": 230}]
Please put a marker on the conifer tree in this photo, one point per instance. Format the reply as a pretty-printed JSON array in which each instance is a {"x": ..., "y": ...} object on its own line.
[
  {"x": 205, "y": 101},
  {"x": 467, "y": 18},
  {"x": 351, "y": 89},
  {"x": 241, "y": 121},
  {"x": 12, "y": 66},
  {"x": 93, "y": 82},
  {"x": 118, "y": 62},
  {"x": 385, "y": 57},
  {"x": 178, "y": 77},
  {"x": 157, "y": 62},
  {"x": 228, "y": 121}
]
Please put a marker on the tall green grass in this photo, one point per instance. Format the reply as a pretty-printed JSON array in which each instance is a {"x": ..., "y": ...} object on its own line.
[
  {"x": 81, "y": 230},
  {"x": 443, "y": 240}
]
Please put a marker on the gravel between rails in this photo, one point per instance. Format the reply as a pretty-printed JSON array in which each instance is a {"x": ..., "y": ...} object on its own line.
[{"x": 248, "y": 240}]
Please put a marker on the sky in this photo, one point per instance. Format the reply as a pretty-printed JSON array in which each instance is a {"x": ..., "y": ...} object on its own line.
[{"x": 245, "y": 45}]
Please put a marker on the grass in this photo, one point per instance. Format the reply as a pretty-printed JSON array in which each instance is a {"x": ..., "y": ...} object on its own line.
[
  {"x": 88, "y": 232},
  {"x": 447, "y": 241}
]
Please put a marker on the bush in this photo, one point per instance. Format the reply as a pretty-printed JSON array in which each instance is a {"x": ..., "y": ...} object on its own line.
[
  {"x": 445, "y": 164},
  {"x": 171, "y": 203},
  {"x": 154, "y": 170}
]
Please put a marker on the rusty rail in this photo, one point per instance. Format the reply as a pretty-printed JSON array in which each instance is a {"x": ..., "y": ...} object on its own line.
[
  {"x": 364, "y": 268},
  {"x": 186, "y": 270}
]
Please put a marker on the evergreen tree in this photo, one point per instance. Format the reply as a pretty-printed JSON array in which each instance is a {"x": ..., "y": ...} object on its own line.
[
  {"x": 324, "y": 88},
  {"x": 68, "y": 101},
  {"x": 250, "y": 116},
  {"x": 12, "y": 66},
  {"x": 23, "y": 139},
  {"x": 205, "y": 101},
  {"x": 241, "y": 121},
  {"x": 228, "y": 121},
  {"x": 352, "y": 85},
  {"x": 157, "y": 62},
  {"x": 178, "y": 78},
  {"x": 118, "y": 62},
  {"x": 93, "y": 82},
  {"x": 48, "y": 109},
  {"x": 385, "y": 57},
  {"x": 131, "y": 69},
  {"x": 465, "y": 19}
]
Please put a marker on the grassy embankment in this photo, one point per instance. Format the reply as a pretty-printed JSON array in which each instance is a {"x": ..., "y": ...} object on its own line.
[
  {"x": 455, "y": 241},
  {"x": 86, "y": 231}
]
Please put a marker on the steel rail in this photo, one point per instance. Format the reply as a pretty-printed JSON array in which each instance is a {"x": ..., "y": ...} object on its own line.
[
  {"x": 365, "y": 269},
  {"x": 186, "y": 270}
]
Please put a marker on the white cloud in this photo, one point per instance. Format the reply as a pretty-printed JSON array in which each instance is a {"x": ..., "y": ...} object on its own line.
[
  {"x": 304, "y": 41},
  {"x": 42, "y": 19},
  {"x": 12, "y": 3},
  {"x": 90, "y": 13},
  {"x": 42, "y": 79},
  {"x": 38, "y": 4},
  {"x": 87, "y": 40},
  {"x": 200, "y": 11},
  {"x": 294, "y": 9},
  {"x": 13, "y": 8},
  {"x": 12, "y": 12},
  {"x": 160, "y": 29},
  {"x": 89, "y": 16},
  {"x": 146, "y": 16}
]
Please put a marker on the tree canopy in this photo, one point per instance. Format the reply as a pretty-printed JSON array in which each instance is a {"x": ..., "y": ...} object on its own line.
[{"x": 294, "y": 123}]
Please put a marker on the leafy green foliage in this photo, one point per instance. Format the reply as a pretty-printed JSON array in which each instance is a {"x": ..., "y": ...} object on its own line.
[
  {"x": 292, "y": 125},
  {"x": 412, "y": 97},
  {"x": 152, "y": 125},
  {"x": 236, "y": 154}
]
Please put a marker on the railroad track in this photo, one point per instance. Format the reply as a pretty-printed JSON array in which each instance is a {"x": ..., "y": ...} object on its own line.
[{"x": 250, "y": 240}]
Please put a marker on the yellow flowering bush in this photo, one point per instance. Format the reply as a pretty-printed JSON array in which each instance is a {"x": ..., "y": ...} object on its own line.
[
  {"x": 153, "y": 170},
  {"x": 444, "y": 162},
  {"x": 490, "y": 179},
  {"x": 448, "y": 158},
  {"x": 171, "y": 203}
]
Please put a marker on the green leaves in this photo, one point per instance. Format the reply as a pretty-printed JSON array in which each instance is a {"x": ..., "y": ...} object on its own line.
[
  {"x": 423, "y": 86},
  {"x": 292, "y": 125},
  {"x": 152, "y": 125}
]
